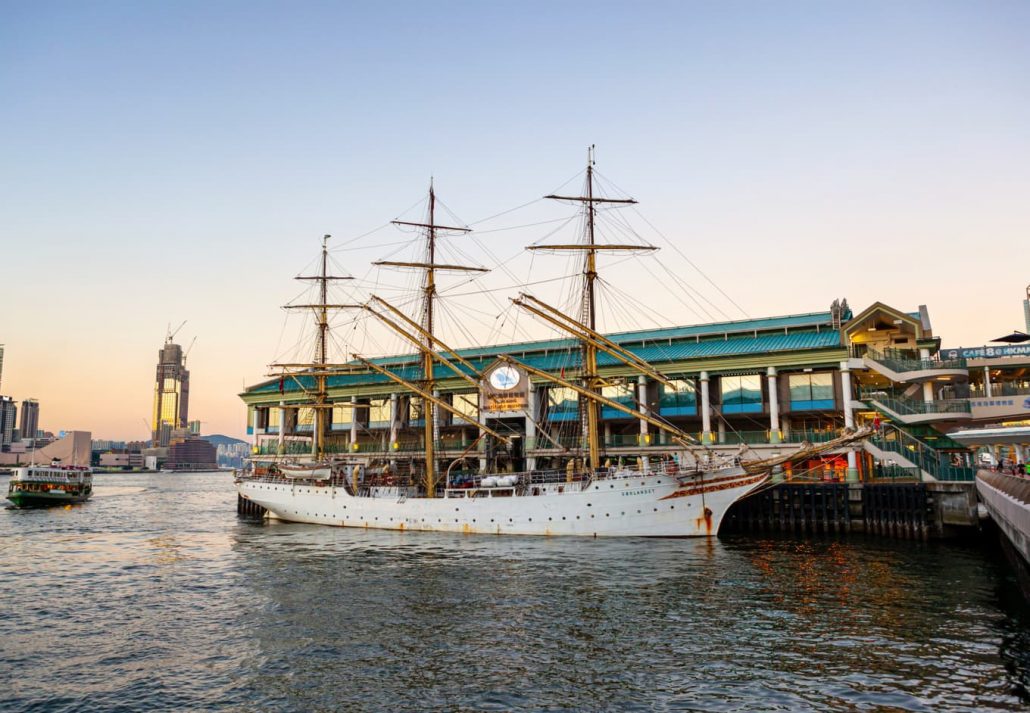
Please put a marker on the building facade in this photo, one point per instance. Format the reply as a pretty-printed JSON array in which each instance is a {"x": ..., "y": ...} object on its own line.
[
  {"x": 29, "y": 424},
  {"x": 764, "y": 385},
  {"x": 171, "y": 394},
  {"x": 8, "y": 415},
  {"x": 192, "y": 454}
]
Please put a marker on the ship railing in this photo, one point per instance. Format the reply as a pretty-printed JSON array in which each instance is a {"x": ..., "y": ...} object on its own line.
[{"x": 64, "y": 477}]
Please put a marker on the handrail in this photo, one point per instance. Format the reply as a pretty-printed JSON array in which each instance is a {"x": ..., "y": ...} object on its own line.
[
  {"x": 901, "y": 362},
  {"x": 910, "y": 407},
  {"x": 922, "y": 454}
]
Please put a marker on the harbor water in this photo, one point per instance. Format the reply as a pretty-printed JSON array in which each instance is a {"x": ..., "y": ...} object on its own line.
[{"x": 154, "y": 596}]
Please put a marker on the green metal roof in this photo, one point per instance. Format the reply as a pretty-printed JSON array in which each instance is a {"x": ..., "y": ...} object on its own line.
[{"x": 553, "y": 355}]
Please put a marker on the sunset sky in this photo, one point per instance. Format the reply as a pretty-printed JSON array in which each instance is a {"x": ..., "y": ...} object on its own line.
[{"x": 162, "y": 162}]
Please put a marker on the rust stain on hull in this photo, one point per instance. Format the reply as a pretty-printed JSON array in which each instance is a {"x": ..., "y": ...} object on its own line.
[{"x": 705, "y": 521}]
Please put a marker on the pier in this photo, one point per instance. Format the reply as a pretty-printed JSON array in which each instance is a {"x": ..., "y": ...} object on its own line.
[{"x": 920, "y": 511}]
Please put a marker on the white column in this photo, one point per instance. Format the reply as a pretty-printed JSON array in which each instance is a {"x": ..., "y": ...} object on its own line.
[
  {"x": 849, "y": 417},
  {"x": 987, "y": 382},
  {"x": 482, "y": 437},
  {"x": 316, "y": 423},
  {"x": 394, "y": 424},
  {"x": 722, "y": 431},
  {"x": 353, "y": 422},
  {"x": 282, "y": 427},
  {"x": 706, "y": 410},
  {"x": 642, "y": 398},
  {"x": 927, "y": 385},
  {"x": 774, "y": 407},
  {"x": 530, "y": 441},
  {"x": 436, "y": 417}
]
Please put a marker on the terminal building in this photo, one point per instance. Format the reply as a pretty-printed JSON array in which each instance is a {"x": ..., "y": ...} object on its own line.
[{"x": 766, "y": 384}]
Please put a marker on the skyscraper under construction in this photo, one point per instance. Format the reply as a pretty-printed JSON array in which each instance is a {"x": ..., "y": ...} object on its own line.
[{"x": 171, "y": 392}]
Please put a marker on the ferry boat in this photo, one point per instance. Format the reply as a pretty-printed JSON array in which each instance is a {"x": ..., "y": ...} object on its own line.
[
  {"x": 44, "y": 486},
  {"x": 592, "y": 496}
]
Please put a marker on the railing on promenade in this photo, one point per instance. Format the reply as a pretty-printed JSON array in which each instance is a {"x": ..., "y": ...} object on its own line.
[{"x": 1001, "y": 389}]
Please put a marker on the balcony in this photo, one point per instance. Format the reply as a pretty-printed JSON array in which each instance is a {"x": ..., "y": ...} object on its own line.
[{"x": 904, "y": 368}]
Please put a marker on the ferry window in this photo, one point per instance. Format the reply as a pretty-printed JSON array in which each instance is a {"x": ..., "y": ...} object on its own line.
[{"x": 741, "y": 394}]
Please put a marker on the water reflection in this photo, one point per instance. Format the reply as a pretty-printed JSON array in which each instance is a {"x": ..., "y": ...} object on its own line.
[{"x": 157, "y": 597}]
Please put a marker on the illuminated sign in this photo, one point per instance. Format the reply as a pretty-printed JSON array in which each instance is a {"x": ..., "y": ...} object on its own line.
[{"x": 986, "y": 352}]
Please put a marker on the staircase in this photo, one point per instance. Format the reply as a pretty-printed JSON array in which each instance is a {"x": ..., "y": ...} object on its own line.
[
  {"x": 913, "y": 412},
  {"x": 920, "y": 449}
]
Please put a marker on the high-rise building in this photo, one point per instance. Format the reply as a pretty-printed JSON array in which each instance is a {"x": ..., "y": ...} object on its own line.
[
  {"x": 8, "y": 414},
  {"x": 29, "y": 418},
  {"x": 1, "y": 366},
  {"x": 1026, "y": 315},
  {"x": 194, "y": 428},
  {"x": 171, "y": 393}
]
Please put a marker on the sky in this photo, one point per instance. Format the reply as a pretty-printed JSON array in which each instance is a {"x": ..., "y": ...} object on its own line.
[{"x": 162, "y": 162}]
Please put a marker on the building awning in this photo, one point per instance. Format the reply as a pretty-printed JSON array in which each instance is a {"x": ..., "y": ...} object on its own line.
[{"x": 1014, "y": 338}]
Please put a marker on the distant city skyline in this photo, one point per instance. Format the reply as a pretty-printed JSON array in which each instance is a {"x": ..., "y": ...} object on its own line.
[{"x": 171, "y": 162}]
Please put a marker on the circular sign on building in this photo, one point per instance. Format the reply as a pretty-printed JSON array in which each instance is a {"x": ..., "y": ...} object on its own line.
[{"x": 505, "y": 378}]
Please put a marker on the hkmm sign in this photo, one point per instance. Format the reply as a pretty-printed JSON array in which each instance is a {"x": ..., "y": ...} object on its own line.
[{"x": 986, "y": 352}]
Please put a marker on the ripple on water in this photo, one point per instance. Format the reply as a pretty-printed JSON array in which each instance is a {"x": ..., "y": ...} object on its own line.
[{"x": 152, "y": 596}]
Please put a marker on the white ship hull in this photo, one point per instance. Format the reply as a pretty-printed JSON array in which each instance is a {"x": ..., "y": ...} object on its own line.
[{"x": 643, "y": 504}]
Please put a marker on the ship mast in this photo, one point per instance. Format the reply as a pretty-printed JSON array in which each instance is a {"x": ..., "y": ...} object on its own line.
[
  {"x": 428, "y": 384},
  {"x": 590, "y": 246},
  {"x": 319, "y": 368}
]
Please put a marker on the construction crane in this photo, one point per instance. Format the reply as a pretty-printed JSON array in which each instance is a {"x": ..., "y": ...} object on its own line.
[
  {"x": 171, "y": 334},
  {"x": 187, "y": 352}
]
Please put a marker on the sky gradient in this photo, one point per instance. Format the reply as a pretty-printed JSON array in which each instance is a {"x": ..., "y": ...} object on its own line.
[{"x": 162, "y": 162}]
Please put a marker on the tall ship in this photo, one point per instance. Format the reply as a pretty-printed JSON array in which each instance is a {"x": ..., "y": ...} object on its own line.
[
  {"x": 479, "y": 415},
  {"x": 47, "y": 486}
]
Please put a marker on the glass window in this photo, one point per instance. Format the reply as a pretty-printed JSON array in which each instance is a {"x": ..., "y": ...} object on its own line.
[
  {"x": 379, "y": 412},
  {"x": 341, "y": 417},
  {"x": 811, "y": 391},
  {"x": 678, "y": 398},
  {"x": 741, "y": 394},
  {"x": 305, "y": 417},
  {"x": 625, "y": 393},
  {"x": 274, "y": 416},
  {"x": 561, "y": 398},
  {"x": 467, "y": 404}
]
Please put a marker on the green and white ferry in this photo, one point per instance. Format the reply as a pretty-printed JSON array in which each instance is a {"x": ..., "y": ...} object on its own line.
[{"x": 45, "y": 486}]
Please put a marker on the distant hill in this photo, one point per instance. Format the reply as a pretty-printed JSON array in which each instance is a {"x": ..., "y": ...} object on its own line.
[{"x": 219, "y": 440}]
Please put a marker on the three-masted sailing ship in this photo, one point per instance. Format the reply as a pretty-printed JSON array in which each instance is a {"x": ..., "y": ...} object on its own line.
[{"x": 590, "y": 496}]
